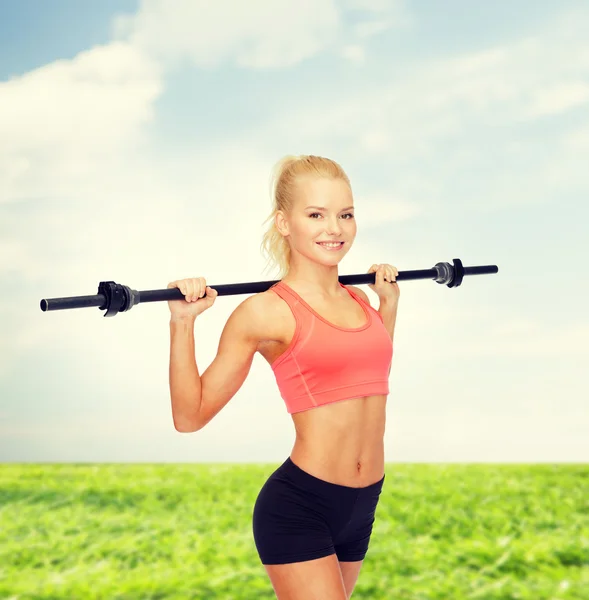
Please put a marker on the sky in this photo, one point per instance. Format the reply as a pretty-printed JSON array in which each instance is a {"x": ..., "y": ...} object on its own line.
[{"x": 137, "y": 140}]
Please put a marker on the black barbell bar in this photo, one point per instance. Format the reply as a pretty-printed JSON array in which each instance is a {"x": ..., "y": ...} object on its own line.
[{"x": 115, "y": 297}]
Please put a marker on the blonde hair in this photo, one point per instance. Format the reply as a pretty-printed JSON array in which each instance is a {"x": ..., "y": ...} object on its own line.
[{"x": 282, "y": 183}]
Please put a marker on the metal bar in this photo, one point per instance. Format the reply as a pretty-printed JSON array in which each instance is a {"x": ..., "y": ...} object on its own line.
[{"x": 115, "y": 297}]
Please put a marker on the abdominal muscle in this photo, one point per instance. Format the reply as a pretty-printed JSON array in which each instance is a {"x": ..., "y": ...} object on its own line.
[{"x": 341, "y": 442}]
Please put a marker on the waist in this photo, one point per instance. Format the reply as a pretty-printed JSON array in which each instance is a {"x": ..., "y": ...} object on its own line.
[
  {"x": 320, "y": 485},
  {"x": 341, "y": 469},
  {"x": 344, "y": 441}
]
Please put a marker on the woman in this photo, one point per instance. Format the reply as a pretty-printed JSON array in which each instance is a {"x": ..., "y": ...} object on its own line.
[{"x": 331, "y": 353}]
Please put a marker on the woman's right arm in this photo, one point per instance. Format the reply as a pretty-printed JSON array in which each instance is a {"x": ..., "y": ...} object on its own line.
[{"x": 197, "y": 399}]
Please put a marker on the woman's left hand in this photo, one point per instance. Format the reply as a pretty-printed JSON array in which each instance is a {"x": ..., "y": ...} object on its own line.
[{"x": 385, "y": 284}]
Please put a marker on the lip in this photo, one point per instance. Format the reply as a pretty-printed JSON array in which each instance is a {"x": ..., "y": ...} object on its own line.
[{"x": 342, "y": 244}]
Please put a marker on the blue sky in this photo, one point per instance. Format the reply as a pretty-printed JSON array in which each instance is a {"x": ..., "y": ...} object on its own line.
[{"x": 135, "y": 136}]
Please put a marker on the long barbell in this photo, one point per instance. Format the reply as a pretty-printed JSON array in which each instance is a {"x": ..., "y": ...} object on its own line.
[{"x": 115, "y": 297}]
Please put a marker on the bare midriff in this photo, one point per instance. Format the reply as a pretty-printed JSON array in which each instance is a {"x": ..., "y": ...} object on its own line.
[{"x": 341, "y": 442}]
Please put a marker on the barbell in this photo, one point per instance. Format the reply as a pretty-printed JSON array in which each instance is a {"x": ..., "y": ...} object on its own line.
[{"x": 115, "y": 297}]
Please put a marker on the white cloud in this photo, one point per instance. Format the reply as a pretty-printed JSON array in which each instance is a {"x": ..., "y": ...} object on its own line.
[
  {"x": 554, "y": 99},
  {"x": 354, "y": 53},
  {"x": 380, "y": 209},
  {"x": 72, "y": 119},
  {"x": 369, "y": 29},
  {"x": 254, "y": 34},
  {"x": 259, "y": 34},
  {"x": 578, "y": 139},
  {"x": 368, "y": 5},
  {"x": 372, "y": 6}
]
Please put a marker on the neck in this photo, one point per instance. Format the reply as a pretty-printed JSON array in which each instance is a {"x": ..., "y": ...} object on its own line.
[{"x": 322, "y": 281}]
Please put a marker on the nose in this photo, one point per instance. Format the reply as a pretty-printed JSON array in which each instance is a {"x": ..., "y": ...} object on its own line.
[{"x": 333, "y": 227}]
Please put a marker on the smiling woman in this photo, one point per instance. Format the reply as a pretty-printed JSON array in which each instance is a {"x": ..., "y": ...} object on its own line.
[{"x": 331, "y": 354}]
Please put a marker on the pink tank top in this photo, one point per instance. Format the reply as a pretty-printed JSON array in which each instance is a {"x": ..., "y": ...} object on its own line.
[{"x": 325, "y": 363}]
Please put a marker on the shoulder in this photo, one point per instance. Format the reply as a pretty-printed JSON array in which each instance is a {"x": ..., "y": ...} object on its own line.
[
  {"x": 265, "y": 302},
  {"x": 359, "y": 292},
  {"x": 257, "y": 313}
]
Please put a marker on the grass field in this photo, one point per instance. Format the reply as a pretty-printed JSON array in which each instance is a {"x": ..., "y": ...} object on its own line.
[{"x": 452, "y": 532}]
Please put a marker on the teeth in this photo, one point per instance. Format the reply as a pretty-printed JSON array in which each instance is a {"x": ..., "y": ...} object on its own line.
[{"x": 330, "y": 245}]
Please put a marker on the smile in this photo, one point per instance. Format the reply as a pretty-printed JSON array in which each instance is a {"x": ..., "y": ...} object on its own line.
[{"x": 331, "y": 246}]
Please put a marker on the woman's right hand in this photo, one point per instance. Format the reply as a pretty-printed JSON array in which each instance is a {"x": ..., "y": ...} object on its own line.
[{"x": 197, "y": 297}]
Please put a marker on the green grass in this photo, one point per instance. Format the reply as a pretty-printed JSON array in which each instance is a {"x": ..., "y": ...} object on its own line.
[{"x": 127, "y": 532}]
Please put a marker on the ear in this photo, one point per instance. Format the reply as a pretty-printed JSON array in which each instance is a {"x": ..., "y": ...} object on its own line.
[{"x": 280, "y": 223}]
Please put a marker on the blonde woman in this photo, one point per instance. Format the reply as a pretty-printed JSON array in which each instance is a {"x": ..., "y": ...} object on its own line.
[{"x": 331, "y": 353}]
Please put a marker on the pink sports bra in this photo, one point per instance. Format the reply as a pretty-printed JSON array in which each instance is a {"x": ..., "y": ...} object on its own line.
[{"x": 325, "y": 363}]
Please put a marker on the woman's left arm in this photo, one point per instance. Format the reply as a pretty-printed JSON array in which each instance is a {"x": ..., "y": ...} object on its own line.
[
  {"x": 388, "y": 312},
  {"x": 387, "y": 289}
]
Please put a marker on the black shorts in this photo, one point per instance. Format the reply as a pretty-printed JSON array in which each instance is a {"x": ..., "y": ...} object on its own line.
[{"x": 300, "y": 517}]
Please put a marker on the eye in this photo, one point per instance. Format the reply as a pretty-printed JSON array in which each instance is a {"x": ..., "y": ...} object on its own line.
[{"x": 344, "y": 215}]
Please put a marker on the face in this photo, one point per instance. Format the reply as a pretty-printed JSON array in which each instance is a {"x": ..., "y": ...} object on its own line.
[{"x": 323, "y": 211}]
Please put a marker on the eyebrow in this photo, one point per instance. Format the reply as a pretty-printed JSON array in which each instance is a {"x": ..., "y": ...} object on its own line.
[{"x": 323, "y": 207}]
